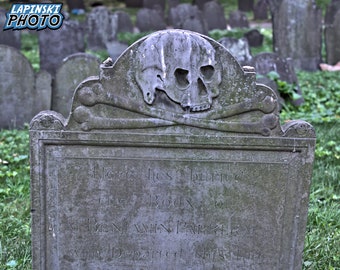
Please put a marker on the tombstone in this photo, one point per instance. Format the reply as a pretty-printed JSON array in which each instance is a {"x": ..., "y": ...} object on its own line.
[
  {"x": 238, "y": 19},
  {"x": 188, "y": 17},
  {"x": 134, "y": 3},
  {"x": 55, "y": 45},
  {"x": 71, "y": 72},
  {"x": 124, "y": 22},
  {"x": 115, "y": 49},
  {"x": 10, "y": 38},
  {"x": 254, "y": 37},
  {"x": 331, "y": 11},
  {"x": 20, "y": 97},
  {"x": 213, "y": 13},
  {"x": 101, "y": 28},
  {"x": 261, "y": 10},
  {"x": 239, "y": 48},
  {"x": 332, "y": 39},
  {"x": 149, "y": 20},
  {"x": 172, "y": 158},
  {"x": 151, "y": 4},
  {"x": 267, "y": 62},
  {"x": 297, "y": 33},
  {"x": 245, "y": 5}
]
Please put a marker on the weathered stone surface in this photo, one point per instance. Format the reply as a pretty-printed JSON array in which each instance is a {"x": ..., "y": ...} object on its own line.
[
  {"x": 297, "y": 33},
  {"x": 267, "y": 62},
  {"x": 10, "y": 38},
  {"x": 151, "y": 4},
  {"x": 332, "y": 39},
  {"x": 74, "y": 69},
  {"x": 55, "y": 45},
  {"x": 213, "y": 13},
  {"x": 239, "y": 48},
  {"x": 172, "y": 158},
  {"x": 19, "y": 100},
  {"x": 124, "y": 22}
]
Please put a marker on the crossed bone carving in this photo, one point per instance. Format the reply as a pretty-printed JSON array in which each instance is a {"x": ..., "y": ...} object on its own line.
[{"x": 154, "y": 117}]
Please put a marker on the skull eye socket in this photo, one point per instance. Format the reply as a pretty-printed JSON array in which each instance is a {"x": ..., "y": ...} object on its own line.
[
  {"x": 182, "y": 78},
  {"x": 207, "y": 72}
]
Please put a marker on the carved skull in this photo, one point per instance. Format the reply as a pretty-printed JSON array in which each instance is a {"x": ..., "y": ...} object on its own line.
[{"x": 180, "y": 64}]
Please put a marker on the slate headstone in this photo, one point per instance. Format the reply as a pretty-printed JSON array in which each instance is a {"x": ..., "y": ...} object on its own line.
[
  {"x": 238, "y": 19},
  {"x": 55, "y": 45},
  {"x": 9, "y": 37},
  {"x": 101, "y": 27},
  {"x": 149, "y": 20},
  {"x": 297, "y": 33},
  {"x": 267, "y": 62},
  {"x": 213, "y": 13},
  {"x": 254, "y": 37},
  {"x": 172, "y": 158},
  {"x": 200, "y": 3},
  {"x": 124, "y": 22},
  {"x": 239, "y": 48},
  {"x": 332, "y": 40},
  {"x": 151, "y": 4},
  {"x": 74, "y": 69},
  {"x": 188, "y": 17},
  {"x": 20, "y": 97},
  {"x": 261, "y": 10}
]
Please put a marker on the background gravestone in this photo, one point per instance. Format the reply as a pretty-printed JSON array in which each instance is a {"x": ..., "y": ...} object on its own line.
[
  {"x": 124, "y": 22},
  {"x": 171, "y": 160},
  {"x": 72, "y": 71},
  {"x": 254, "y": 37},
  {"x": 261, "y": 10},
  {"x": 238, "y": 19},
  {"x": 239, "y": 48},
  {"x": 10, "y": 38},
  {"x": 20, "y": 99},
  {"x": 297, "y": 33},
  {"x": 332, "y": 39},
  {"x": 101, "y": 27},
  {"x": 213, "y": 13},
  {"x": 267, "y": 62},
  {"x": 188, "y": 17},
  {"x": 149, "y": 20},
  {"x": 55, "y": 45}
]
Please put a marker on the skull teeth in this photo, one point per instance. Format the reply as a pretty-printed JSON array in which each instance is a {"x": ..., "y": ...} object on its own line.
[{"x": 199, "y": 108}]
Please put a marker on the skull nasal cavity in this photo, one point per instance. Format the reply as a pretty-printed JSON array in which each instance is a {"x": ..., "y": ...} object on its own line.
[
  {"x": 207, "y": 72},
  {"x": 181, "y": 77},
  {"x": 202, "y": 89}
]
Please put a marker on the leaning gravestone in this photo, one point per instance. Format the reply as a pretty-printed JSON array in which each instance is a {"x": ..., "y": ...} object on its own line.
[
  {"x": 74, "y": 69},
  {"x": 172, "y": 158},
  {"x": 22, "y": 93}
]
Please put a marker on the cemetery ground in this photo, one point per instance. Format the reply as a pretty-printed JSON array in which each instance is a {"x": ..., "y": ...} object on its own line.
[{"x": 321, "y": 108}]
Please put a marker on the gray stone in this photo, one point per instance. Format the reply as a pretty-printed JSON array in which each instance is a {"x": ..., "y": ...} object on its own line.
[
  {"x": 73, "y": 70},
  {"x": 55, "y": 45},
  {"x": 238, "y": 19},
  {"x": 188, "y": 17},
  {"x": 332, "y": 40},
  {"x": 332, "y": 9},
  {"x": 134, "y": 3},
  {"x": 200, "y": 3},
  {"x": 151, "y": 4},
  {"x": 20, "y": 98},
  {"x": 213, "y": 13},
  {"x": 101, "y": 27},
  {"x": 149, "y": 20},
  {"x": 239, "y": 48},
  {"x": 254, "y": 37},
  {"x": 9, "y": 37},
  {"x": 297, "y": 33},
  {"x": 267, "y": 62},
  {"x": 115, "y": 49},
  {"x": 172, "y": 158}
]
